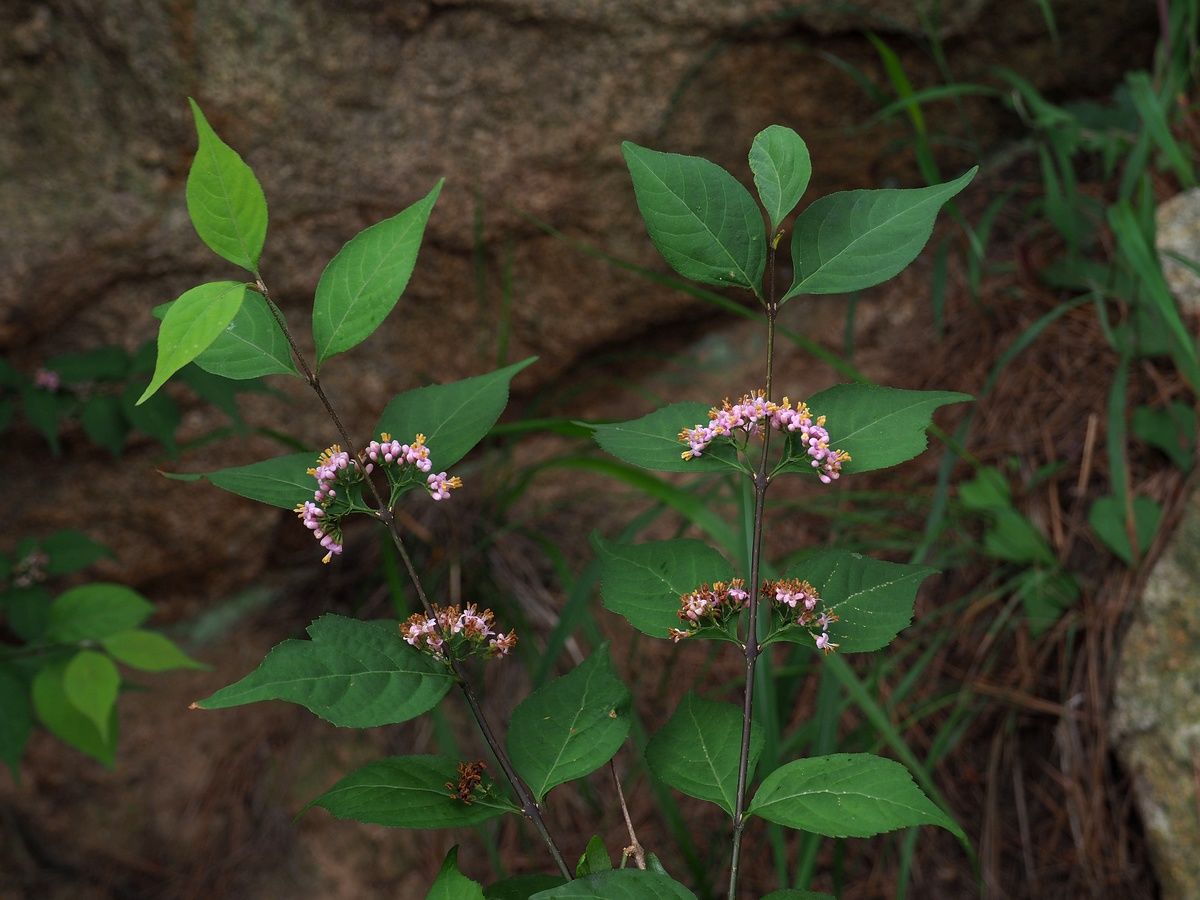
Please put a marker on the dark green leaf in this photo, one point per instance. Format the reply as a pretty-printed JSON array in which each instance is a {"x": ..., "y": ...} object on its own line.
[
  {"x": 282, "y": 481},
  {"x": 1107, "y": 518},
  {"x": 846, "y": 795},
  {"x": 521, "y": 887},
  {"x": 27, "y": 610},
  {"x": 705, "y": 224},
  {"x": 16, "y": 718},
  {"x": 797, "y": 895},
  {"x": 452, "y": 884},
  {"x": 410, "y": 792},
  {"x": 652, "y": 441},
  {"x": 100, "y": 364},
  {"x": 619, "y": 884},
  {"x": 697, "y": 752},
  {"x": 453, "y": 417},
  {"x": 43, "y": 410},
  {"x": 781, "y": 166},
  {"x": 225, "y": 200},
  {"x": 94, "y": 611},
  {"x": 643, "y": 582},
  {"x": 856, "y": 239},
  {"x": 70, "y": 551},
  {"x": 595, "y": 858},
  {"x": 361, "y": 285},
  {"x": 65, "y": 722},
  {"x": 571, "y": 726},
  {"x": 877, "y": 426},
  {"x": 1171, "y": 429},
  {"x": 104, "y": 422},
  {"x": 158, "y": 417},
  {"x": 352, "y": 673}
]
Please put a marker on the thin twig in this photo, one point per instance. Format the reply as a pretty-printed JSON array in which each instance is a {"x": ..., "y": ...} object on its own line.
[
  {"x": 384, "y": 513},
  {"x": 635, "y": 847}
]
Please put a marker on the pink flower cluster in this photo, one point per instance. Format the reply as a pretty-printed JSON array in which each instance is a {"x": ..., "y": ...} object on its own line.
[
  {"x": 333, "y": 466},
  {"x": 456, "y": 633},
  {"x": 391, "y": 454},
  {"x": 796, "y": 595},
  {"x": 751, "y": 413},
  {"x": 47, "y": 379},
  {"x": 713, "y": 603}
]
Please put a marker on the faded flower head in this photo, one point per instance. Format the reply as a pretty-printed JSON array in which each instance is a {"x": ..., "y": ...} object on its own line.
[
  {"x": 708, "y": 605},
  {"x": 454, "y": 633}
]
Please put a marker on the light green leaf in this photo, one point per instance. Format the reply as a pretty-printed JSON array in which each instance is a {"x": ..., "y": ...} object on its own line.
[
  {"x": 453, "y": 417},
  {"x": 192, "y": 323},
  {"x": 521, "y": 887},
  {"x": 282, "y": 481},
  {"x": 595, "y": 858},
  {"x": 65, "y": 722},
  {"x": 1107, "y": 518},
  {"x": 362, "y": 283},
  {"x": 643, "y": 582},
  {"x": 846, "y": 795},
  {"x": 410, "y": 792},
  {"x": 856, "y": 239},
  {"x": 352, "y": 673},
  {"x": 225, "y": 200},
  {"x": 781, "y": 166},
  {"x": 697, "y": 752},
  {"x": 16, "y": 718},
  {"x": 252, "y": 344},
  {"x": 148, "y": 651},
  {"x": 94, "y": 611},
  {"x": 91, "y": 682},
  {"x": 619, "y": 884},
  {"x": 877, "y": 426},
  {"x": 571, "y": 726},
  {"x": 452, "y": 884},
  {"x": 652, "y": 441},
  {"x": 703, "y": 222},
  {"x": 873, "y": 599}
]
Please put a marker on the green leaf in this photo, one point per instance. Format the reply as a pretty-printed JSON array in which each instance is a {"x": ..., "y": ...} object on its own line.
[
  {"x": 652, "y": 441},
  {"x": 252, "y": 344},
  {"x": 43, "y": 410},
  {"x": 27, "y": 611},
  {"x": 856, "y": 239},
  {"x": 1107, "y": 518},
  {"x": 352, "y": 673},
  {"x": 192, "y": 323},
  {"x": 99, "y": 364},
  {"x": 595, "y": 858},
  {"x": 70, "y": 551},
  {"x": 452, "y": 884},
  {"x": 789, "y": 894},
  {"x": 282, "y": 481},
  {"x": 705, "y": 224},
  {"x": 148, "y": 651},
  {"x": 619, "y": 884},
  {"x": 65, "y": 722},
  {"x": 781, "y": 166},
  {"x": 643, "y": 582},
  {"x": 846, "y": 795},
  {"x": 697, "y": 752},
  {"x": 571, "y": 726},
  {"x": 877, "y": 426},
  {"x": 91, "y": 682},
  {"x": 158, "y": 417},
  {"x": 1171, "y": 429},
  {"x": 104, "y": 422},
  {"x": 16, "y": 718},
  {"x": 362, "y": 283},
  {"x": 521, "y": 887},
  {"x": 94, "y": 611},
  {"x": 410, "y": 792},
  {"x": 872, "y": 599},
  {"x": 453, "y": 417},
  {"x": 225, "y": 200}
]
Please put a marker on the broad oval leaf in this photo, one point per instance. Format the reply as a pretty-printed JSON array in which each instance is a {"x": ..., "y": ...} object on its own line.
[
  {"x": 1107, "y": 518},
  {"x": 619, "y": 884},
  {"x": 873, "y": 599},
  {"x": 643, "y": 582},
  {"x": 192, "y": 323},
  {"x": 65, "y": 722},
  {"x": 362, "y": 283},
  {"x": 410, "y": 792},
  {"x": 225, "y": 200},
  {"x": 282, "y": 481},
  {"x": 571, "y": 726},
  {"x": 17, "y": 722},
  {"x": 91, "y": 682},
  {"x": 94, "y": 611},
  {"x": 148, "y": 651},
  {"x": 70, "y": 551},
  {"x": 846, "y": 795},
  {"x": 697, "y": 752},
  {"x": 451, "y": 884},
  {"x": 453, "y": 417},
  {"x": 352, "y": 673},
  {"x": 652, "y": 441},
  {"x": 252, "y": 344},
  {"x": 877, "y": 426},
  {"x": 703, "y": 222},
  {"x": 856, "y": 239},
  {"x": 781, "y": 166}
]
